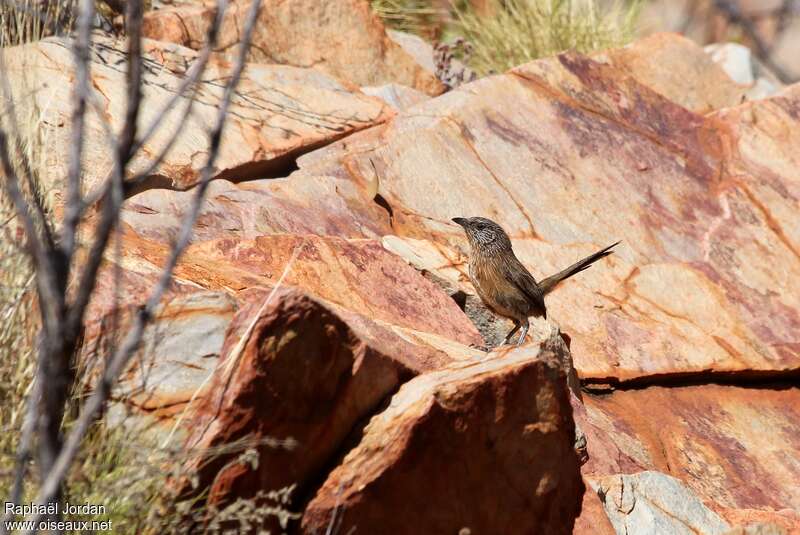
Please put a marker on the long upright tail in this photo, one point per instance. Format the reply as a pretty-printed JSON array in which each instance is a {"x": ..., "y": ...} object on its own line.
[{"x": 548, "y": 284}]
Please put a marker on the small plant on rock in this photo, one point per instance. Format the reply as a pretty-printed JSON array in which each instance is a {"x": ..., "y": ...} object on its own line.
[{"x": 507, "y": 33}]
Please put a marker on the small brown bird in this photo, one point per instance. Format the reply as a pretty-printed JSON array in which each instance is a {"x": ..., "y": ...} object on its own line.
[{"x": 502, "y": 282}]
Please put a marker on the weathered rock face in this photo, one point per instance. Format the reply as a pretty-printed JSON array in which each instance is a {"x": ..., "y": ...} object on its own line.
[
  {"x": 706, "y": 276},
  {"x": 180, "y": 352},
  {"x": 569, "y": 154},
  {"x": 344, "y": 39},
  {"x": 450, "y": 446},
  {"x": 278, "y": 112},
  {"x": 294, "y": 369},
  {"x": 758, "y": 529},
  {"x": 651, "y": 502},
  {"x": 755, "y": 522},
  {"x": 678, "y": 69},
  {"x": 215, "y": 278},
  {"x": 309, "y": 205},
  {"x": 349, "y": 273},
  {"x": 735, "y": 448}
]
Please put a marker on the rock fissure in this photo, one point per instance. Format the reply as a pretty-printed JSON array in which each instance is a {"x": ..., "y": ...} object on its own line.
[
  {"x": 757, "y": 379},
  {"x": 371, "y": 365},
  {"x": 498, "y": 181}
]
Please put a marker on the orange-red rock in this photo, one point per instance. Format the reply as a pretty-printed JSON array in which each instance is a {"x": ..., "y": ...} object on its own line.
[
  {"x": 783, "y": 522},
  {"x": 484, "y": 446},
  {"x": 593, "y": 519},
  {"x": 678, "y": 69},
  {"x": 292, "y": 368},
  {"x": 277, "y": 112},
  {"x": 707, "y": 275},
  {"x": 358, "y": 275},
  {"x": 735, "y": 448},
  {"x": 294, "y": 205},
  {"x": 342, "y": 38}
]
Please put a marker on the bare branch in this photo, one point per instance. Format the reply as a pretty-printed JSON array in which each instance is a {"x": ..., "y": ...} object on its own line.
[
  {"x": 191, "y": 78},
  {"x": 132, "y": 341},
  {"x": 733, "y": 14},
  {"x": 133, "y": 17},
  {"x": 25, "y": 164},
  {"x": 124, "y": 153},
  {"x": 72, "y": 206},
  {"x": 46, "y": 280}
]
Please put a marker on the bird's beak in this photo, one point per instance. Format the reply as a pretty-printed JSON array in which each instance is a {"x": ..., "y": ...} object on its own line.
[{"x": 460, "y": 221}]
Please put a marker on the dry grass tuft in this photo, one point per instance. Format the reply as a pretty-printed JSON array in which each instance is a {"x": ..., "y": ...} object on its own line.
[
  {"x": 413, "y": 16},
  {"x": 512, "y": 32},
  {"x": 506, "y": 33},
  {"x": 16, "y": 343},
  {"x": 23, "y": 21}
]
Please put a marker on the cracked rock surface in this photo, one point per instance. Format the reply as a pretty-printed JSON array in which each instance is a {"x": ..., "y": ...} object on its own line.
[{"x": 323, "y": 297}]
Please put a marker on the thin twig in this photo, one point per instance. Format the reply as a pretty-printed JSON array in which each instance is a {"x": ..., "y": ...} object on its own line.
[
  {"x": 192, "y": 76},
  {"x": 734, "y": 15},
  {"x": 38, "y": 202},
  {"x": 72, "y": 206},
  {"x": 131, "y": 343}
]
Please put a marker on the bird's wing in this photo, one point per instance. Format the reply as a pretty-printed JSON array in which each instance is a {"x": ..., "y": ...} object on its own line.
[{"x": 520, "y": 277}]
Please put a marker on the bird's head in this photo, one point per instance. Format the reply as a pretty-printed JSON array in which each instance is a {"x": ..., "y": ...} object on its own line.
[{"x": 484, "y": 234}]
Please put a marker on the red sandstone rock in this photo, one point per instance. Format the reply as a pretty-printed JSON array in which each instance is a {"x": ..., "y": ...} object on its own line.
[
  {"x": 294, "y": 369},
  {"x": 485, "y": 446},
  {"x": 735, "y": 448},
  {"x": 707, "y": 275},
  {"x": 342, "y": 38},
  {"x": 678, "y": 69},
  {"x": 593, "y": 519},
  {"x": 277, "y": 112},
  {"x": 358, "y": 275},
  {"x": 181, "y": 350},
  {"x": 783, "y": 522}
]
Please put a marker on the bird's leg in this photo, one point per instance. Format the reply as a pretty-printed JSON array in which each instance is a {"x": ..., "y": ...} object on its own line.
[
  {"x": 511, "y": 332},
  {"x": 524, "y": 333}
]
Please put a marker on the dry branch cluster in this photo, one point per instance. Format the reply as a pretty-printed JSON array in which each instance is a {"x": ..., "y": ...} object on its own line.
[{"x": 65, "y": 268}]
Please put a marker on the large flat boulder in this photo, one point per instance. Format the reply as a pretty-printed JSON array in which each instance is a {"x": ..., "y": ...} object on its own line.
[
  {"x": 734, "y": 447},
  {"x": 293, "y": 369},
  {"x": 277, "y": 113},
  {"x": 342, "y": 38},
  {"x": 479, "y": 447},
  {"x": 358, "y": 275},
  {"x": 652, "y": 502},
  {"x": 706, "y": 278}
]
